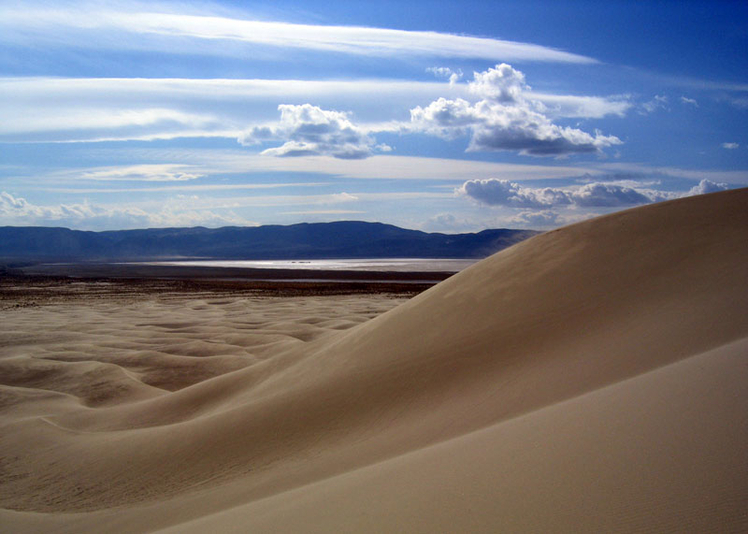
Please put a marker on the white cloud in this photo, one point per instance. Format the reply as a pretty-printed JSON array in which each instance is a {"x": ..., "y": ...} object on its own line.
[
  {"x": 383, "y": 166},
  {"x": 142, "y": 26},
  {"x": 505, "y": 118},
  {"x": 134, "y": 90},
  {"x": 446, "y": 72},
  {"x": 17, "y": 211},
  {"x": 731, "y": 177},
  {"x": 706, "y": 186},
  {"x": 494, "y": 192},
  {"x": 80, "y": 122},
  {"x": 658, "y": 102},
  {"x": 178, "y": 187},
  {"x": 263, "y": 201},
  {"x": 162, "y": 172},
  {"x": 449, "y": 223},
  {"x": 583, "y": 107},
  {"x": 537, "y": 219},
  {"x": 689, "y": 101},
  {"x": 623, "y": 179},
  {"x": 309, "y": 130},
  {"x": 323, "y": 212},
  {"x": 730, "y": 146},
  {"x": 94, "y": 109},
  {"x": 610, "y": 195},
  {"x": 500, "y": 84},
  {"x": 505, "y": 193}
]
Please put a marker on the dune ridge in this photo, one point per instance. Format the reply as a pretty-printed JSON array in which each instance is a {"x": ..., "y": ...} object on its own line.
[{"x": 578, "y": 381}]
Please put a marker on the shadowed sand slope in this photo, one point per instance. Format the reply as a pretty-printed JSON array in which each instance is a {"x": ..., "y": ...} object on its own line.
[{"x": 588, "y": 379}]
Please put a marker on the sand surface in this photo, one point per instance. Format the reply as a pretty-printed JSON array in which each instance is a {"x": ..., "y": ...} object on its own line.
[{"x": 590, "y": 379}]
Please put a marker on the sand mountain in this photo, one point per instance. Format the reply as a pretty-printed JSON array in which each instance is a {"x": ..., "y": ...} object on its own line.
[{"x": 588, "y": 379}]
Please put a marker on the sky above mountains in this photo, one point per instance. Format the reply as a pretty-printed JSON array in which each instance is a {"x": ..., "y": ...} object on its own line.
[{"x": 440, "y": 116}]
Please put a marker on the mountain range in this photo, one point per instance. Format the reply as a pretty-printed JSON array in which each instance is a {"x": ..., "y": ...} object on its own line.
[{"x": 345, "y": 239}]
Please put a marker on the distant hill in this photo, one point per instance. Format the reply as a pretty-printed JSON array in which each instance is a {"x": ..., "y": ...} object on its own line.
[{"x": 347, "y": 239}]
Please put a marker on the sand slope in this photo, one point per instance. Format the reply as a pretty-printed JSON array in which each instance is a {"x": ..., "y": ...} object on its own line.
[{"x": 589, "y": 379}]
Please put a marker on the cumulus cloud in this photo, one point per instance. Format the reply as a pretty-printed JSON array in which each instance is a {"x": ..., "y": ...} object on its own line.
[
  {"x": 730, "y": 146},
  {"x": 310, "y": 130},
  {"x": 450, "y": 223},
  {"x": 505, "y": 193},
  {"x": 17, "y": 211},
  {"x": 445, "y": 72},
  {"x": 611, "y": 195},
  {"x": 505, "y": 117},
  {"x": 537, "y": 219},
  {"x": 494, "y": 192},
  {"x": 707, "y": 186},
  {"x": 501, "y": 84}
]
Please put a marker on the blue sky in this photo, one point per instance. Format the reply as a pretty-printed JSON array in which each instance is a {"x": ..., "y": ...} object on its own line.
[{"x": 440, "y": 116}]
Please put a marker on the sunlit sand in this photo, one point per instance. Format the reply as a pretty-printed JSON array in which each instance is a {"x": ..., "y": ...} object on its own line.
[{"x": 590, "y": 379}]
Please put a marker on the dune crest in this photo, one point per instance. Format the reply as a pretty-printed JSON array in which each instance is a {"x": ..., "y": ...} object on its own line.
[{"x": 612, "y": 348}]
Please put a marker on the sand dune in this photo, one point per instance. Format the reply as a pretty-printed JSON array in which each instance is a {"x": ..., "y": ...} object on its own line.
[{"x": 588, "y": 379}]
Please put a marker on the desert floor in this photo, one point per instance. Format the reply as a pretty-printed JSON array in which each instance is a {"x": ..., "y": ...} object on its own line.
[{"x": 590, "y": 379}]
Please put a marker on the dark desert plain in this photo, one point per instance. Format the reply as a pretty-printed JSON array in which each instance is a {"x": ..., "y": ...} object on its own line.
[{"x": 589, "y": 379}]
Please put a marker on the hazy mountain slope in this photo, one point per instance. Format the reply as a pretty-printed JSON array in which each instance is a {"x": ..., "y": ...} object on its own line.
[{"x": 300, "y": 241}]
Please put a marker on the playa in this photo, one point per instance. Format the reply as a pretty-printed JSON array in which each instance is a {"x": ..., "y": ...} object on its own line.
[{"x": 588, "y": 379}]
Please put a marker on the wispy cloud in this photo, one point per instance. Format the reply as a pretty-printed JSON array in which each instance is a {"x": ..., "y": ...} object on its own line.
[
  {"x": 77, "y": 26},
  {"x": 737, "y": 177},
  {"x": 178, "y": 187},
  {"x": 375, "y": 167},
  {"x": 323, "y": 212},
  {"x": 95, "y": 123},
  {"x": 657, "y": 103},
  {"x": 689, "y": 101},
  {"x": 30, "y": 89},
  {"x": 162, "y": 172},
  {"x": 585, "y": 107}
]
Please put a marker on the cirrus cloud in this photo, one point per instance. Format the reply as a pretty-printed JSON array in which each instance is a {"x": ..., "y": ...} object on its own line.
[{"x": 141, "y": 24}]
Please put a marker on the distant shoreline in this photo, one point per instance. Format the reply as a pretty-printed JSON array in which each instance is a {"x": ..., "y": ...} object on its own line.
[
  {"x": 42, "y": 284},
  {"x": 198, "y": 272},
  {"x": 420, "y": 265}
]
